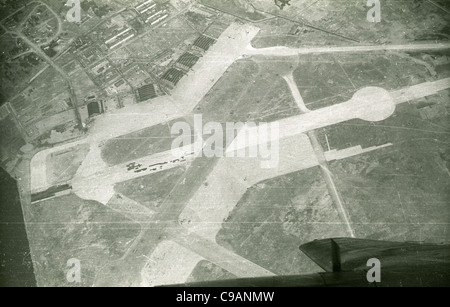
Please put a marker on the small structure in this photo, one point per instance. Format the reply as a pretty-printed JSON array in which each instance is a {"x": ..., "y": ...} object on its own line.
[
  {"x": 203, "y": 43},
  {"x": 172, "y": 76},
  {"x": 186, "y": 61},
  {"x": 162, "y": 56},
  {"x": 50, "y": 193},
  {"x": 147, "y": 92}
]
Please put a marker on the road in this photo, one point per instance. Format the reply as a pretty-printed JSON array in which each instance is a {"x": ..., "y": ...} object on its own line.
[{"x": 439, "y": 6}]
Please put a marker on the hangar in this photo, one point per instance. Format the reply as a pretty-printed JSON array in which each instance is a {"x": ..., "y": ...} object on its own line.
[
  {"x": 172, "y": 76},
  {"x": 187, "y": 60}
]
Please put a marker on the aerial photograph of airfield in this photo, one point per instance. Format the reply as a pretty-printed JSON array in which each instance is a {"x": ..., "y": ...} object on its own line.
[{"x": 92, "y": 95}]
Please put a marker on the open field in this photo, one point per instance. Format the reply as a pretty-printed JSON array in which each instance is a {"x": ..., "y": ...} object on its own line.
[
  {"x": 250, "y": 90},
  {"x": 16, "y": 74},
  {"x": 151, "y": 190},
  {"x": 276, "y": 216},
  {"x": 68, "y": 227},
  {"x": 440, "y": 61},
  {"x": 239, "y": 8},
  {"x": 166, "y": 267},
  {"x": 325, "y": 80},
  {"x": 400, "y": 22},
  {"x": 282, "y": 32},
  {"x": 400, "y": 192},
  {"x": 10, "y": 6},
  {"x": 198, "y": 19},
  {"x": 138, "y": 144}
]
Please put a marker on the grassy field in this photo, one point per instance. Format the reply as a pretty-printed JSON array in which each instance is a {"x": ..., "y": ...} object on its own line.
[
  {"x": 250, "y": 90},
  {"x": 400, "y": 192},
  {"x": 69, "y": 227},
  {"x": 276, "y": 216},
  {"x": 151, "y": 190},
  {"x": 419, "y": 20},
  {"x": 282, "y": 32},
  {"x": 138, "y": 144}
]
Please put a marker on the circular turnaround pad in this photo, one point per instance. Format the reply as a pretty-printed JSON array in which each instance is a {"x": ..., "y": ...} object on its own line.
[{"x": 374, "y": 103}]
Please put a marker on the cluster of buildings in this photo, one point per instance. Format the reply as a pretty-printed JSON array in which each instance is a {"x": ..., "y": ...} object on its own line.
[
  {"x": 151, "y": 13},
  {"x": 120, "y": 38},
  {"x": 104, "y": 72},
  {"x": 187, "y": 60}
]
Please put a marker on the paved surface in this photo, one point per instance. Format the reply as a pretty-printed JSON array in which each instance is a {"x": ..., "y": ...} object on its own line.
[
  {"x": 38, "y": 166},
  {"x": 296, "y": 93},
  {"x": 221, "y": 256},
  {"x": 286, "y": 51},
  {"x": 230, "y": 179},
  {"x": 100, "y": 185},
  {"x": 370, "y": 104}
]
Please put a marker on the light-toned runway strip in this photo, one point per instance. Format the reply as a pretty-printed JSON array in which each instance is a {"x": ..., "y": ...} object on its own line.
[
  {"x": 369, "y": 104},
  {"x": 100, "y": 185},
  {"x": 231, "y": 177},
  {"x": 286, "y": 51}
]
